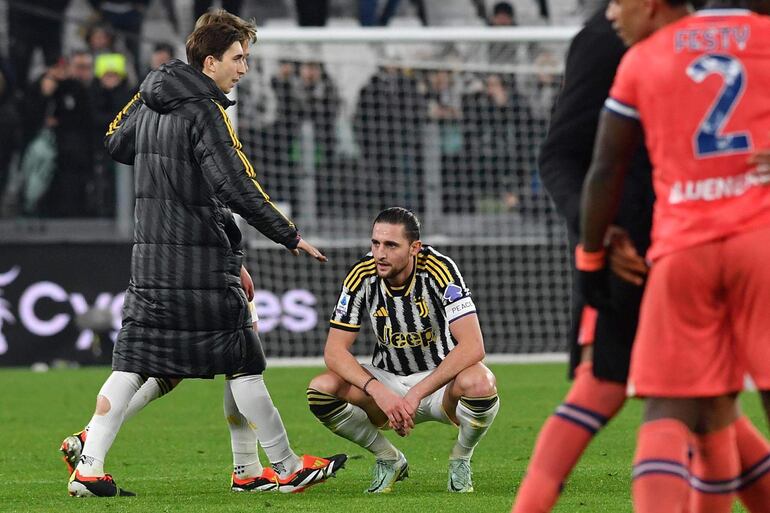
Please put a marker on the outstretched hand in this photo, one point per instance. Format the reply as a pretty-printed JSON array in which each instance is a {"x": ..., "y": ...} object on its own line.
[
  {"x": 309, "y": 249},
  {"x": 247, "y": 284}
]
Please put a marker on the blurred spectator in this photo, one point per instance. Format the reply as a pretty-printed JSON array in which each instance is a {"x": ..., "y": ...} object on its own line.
[
  {"x": 34, "y": 24},
  {"x": 100, "y": 38},
  {"x": 231, "y": 6},
  {"x": 9, "y": 127},
  {"x": 304, "y": 94},
  {"x": 388, "y": 122},
  {"x": 58, "y": 104},
  {"x": 81, "y": 66},
  {"x": 542, "y": 87},
  {"x": 312, "y": 13},
  {"x": 127, "y": 17},
  {"x": 497, "y": 145},
  {"x": 161, "y": 54},
  {"x": 319, "y": 103},
  {"x": 503, "y": 15},
  {"x": 505, "y": 9},
  {"x": 444, "y": 112},
  {"x": 369, "y": 15},
  {"x": 110, "y": 93}
]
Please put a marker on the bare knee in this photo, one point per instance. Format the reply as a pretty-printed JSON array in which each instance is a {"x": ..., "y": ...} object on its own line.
[
  {"x": 103, "y": 405},
  {"x": 718, "y": 413},
  {"x": 476, "y": 381},
  {"x": 328, "y": 383}
]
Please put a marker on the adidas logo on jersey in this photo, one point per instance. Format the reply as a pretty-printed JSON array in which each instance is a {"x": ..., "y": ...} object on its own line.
[{"x": 382, "y": 312}]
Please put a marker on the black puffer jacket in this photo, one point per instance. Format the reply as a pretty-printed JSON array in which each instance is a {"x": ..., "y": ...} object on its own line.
[{"x": 185, "y": 313}]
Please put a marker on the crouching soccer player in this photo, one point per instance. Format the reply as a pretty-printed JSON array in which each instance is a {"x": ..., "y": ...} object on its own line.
[{"x": 426, "y": 364}]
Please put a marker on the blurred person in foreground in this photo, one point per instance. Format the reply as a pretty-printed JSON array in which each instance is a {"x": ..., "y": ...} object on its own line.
[
  {"x": 601, "y": 339},
  {"x": 186, "y": 313},
  {"x": 702, "y": 323}
]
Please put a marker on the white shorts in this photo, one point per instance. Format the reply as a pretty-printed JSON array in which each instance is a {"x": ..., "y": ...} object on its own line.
[{"x": 431, "y": 408}]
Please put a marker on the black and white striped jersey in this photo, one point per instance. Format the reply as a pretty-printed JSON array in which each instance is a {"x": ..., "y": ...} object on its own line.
[{"x": 411, "y": 322}]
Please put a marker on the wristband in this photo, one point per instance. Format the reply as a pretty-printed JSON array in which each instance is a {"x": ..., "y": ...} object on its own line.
[
  {"x": 367, "y": 384},
  {"x": 589, "y": 261}
]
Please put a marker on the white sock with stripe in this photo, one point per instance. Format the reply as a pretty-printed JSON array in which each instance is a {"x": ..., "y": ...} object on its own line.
[
  {"x": 475, "y": 415},
  {"x": 118, "y": 390},
  {"x": 243, "y": 439},
  {"x": 254, "y": 402}
]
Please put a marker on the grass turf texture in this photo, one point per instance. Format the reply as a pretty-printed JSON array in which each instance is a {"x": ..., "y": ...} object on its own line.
[{"x": 176, "y": 453}]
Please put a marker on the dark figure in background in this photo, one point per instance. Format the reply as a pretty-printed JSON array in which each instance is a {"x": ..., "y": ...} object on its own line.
[
  {"x": 388, "y": 123},
  {"x": 304, "y": 93},
  {"x": 127, "y": 17},
  {"x": 369, "y": 15},
  {"x": 496, "y": 128},
  {"x": 34, "y": 24},
  {"x": 109, "y": 93},
  {"x": 100, "y": 38},
  {"x": 231, "y": 6},
  {"x": 312, "y": 13},
  {"x": 63, "y": 104},
  {"x": 161, "y": 54},
  {"x": 444, "y": 110},
  {"x": 9, "y": 127}
]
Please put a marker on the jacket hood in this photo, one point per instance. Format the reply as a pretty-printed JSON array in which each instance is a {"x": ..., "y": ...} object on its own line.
[{"x": 176, "y": 83}]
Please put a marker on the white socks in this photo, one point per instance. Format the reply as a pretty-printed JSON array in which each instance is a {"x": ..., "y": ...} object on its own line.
[
  {"x": 243, "y": 439},
  {"x": 350, "y": 422},
  {"x": 254, "y": 403},
  {"x": 151, "y": 390},
  {"x": 475, "y": 415},
  {"x": 118, "y": 390}
]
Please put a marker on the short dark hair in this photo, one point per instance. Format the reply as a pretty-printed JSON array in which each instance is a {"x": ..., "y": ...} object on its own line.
[
  {"x": 502, "y": 8},
  {"x": 213, "y": 39},
  {"x": 404, "y": 217}
]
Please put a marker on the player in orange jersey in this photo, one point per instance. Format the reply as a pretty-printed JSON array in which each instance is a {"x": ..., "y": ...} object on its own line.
[{"x": 699, "y": 87}]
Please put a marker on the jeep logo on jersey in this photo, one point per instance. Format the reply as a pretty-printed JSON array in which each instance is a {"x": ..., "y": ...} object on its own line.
[{"x": 452, "y": 292}]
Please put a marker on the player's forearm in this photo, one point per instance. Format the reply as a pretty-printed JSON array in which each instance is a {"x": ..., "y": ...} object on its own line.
[
  {"x": 602, "y": 189},
  {"x": 341, "y": 361},
  {"x": 598, "y": 207}
]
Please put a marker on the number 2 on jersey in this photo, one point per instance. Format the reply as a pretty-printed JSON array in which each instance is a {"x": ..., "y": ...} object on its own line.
[{"x": 709, "y": 139}]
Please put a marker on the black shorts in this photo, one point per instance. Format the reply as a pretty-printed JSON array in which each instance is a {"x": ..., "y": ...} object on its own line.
[{"x": 614, "y": 332}]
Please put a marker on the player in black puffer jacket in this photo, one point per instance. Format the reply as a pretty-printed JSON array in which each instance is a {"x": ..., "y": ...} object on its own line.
[{"x": 185, "y": 313}]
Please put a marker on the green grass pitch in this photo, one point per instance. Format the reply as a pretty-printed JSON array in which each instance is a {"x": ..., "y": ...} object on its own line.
[{"x": 176, "y": 454}]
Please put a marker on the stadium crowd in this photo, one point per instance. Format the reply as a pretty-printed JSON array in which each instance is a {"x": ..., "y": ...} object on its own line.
[{"x": 486, "y": 125}]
